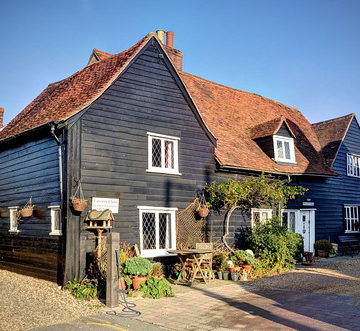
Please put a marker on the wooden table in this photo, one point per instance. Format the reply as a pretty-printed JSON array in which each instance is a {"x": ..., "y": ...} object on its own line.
[{"x": 194, "y": 258}]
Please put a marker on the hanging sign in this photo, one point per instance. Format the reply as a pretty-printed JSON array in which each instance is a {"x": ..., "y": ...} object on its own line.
[
  {"x": 105, "y": 203},
  {"x": 308, "y": 203}
]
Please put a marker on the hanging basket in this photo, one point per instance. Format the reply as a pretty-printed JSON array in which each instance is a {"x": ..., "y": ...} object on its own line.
[
  {"x": 26, "y": 212},
  {"x": 78, "y": 204},
  {"x": 203, "y": 212}
]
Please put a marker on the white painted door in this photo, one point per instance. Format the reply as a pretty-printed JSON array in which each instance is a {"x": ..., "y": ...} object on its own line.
[{"x": 305, "y": 228}]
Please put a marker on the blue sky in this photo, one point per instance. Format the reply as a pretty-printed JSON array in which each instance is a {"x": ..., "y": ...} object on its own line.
[{"x": 304, "y": 53}]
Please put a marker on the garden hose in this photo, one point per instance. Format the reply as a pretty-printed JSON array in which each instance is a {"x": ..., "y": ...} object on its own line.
[{"x": 128, "y": 310}]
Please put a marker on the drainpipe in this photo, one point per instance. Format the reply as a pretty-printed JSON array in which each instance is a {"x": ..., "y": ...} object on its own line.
[{"x": 60, "y": 162}]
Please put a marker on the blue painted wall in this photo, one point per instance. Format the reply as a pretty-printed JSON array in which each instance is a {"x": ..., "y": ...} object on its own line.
[{"x": 331, "y": 194}]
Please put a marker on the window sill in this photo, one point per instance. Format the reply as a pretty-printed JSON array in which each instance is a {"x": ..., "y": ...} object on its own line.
[
  {"x": 152, "y": 253},
  {"x": 286, "y": 162},
  {"x": 14, "y": 231},
  {"x": 351, "y": 231},
  {"x": 55, "y": 234},
  {"x": 163, "y": 172},
  {"x": 349, "y": 175}
]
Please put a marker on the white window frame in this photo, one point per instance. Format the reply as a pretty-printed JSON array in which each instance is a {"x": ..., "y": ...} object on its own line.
[
  {"x": 157, "y": 211},
  {"x": 53, "y": 211},
  {"x": 13, "y": 219},
  {"x": 163, "y": 169},
  {"x": 291, "y": 147},
  {"x": 261, "y": 211},
  {"x": 351, "y": 218},
  {"x": 297, "y": 216},
  {"x": 353, "y": 165}
]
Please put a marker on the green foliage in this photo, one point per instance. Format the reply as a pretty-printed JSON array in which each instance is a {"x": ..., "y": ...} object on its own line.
[
  {"x": 276, "y": 246},
  {"x": 241, "y": 257},
  {"x": 260, "y": 191},
  {"x": 323, "y": 245},
  {"x": 85, "y": 290},
  {"x": 220, "y": 261},
  {"x": 156, "y": 288},
  {"x": 137, "y": 266}
]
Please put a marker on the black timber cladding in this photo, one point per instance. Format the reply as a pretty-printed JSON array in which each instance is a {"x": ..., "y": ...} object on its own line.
[
  {"x": 147, "y": 97},
  {"x": 29, "y": 166}
]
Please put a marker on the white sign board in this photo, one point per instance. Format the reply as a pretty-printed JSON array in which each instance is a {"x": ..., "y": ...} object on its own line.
[
  {"x": 105, "y": 203},
  {"x": 308, "y": 203}
]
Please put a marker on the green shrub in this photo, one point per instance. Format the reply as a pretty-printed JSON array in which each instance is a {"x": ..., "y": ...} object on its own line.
[
  {"x": 85, "y": 290},
  {"x": 276, "y": 246},
  {"x": 243, "y": 257},
  {"x": 221, "y": 261},
  {"x": 323, "y": 245},
  {"x": 156, "y": 288},
  {"x": 137, "y": 266}
]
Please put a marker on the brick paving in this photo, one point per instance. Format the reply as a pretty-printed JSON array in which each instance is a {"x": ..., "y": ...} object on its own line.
[{"x": 238, "y": 307}]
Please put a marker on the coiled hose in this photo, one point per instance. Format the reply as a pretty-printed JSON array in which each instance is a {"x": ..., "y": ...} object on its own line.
[{"x": 128, "y": 310}]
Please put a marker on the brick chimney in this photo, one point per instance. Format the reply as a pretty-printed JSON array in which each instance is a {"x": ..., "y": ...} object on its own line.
[
  {"x": 1, "y": 117},
  {"x": 175, "y": 55}
]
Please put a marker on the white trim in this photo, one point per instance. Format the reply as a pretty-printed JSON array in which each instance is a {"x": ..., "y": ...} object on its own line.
[
  {"x": 354, "y": 168},
  {"x": 351, "y": 219},
  {"x": 13, "y": 226},
  {"x": 162, "y": 136},
  {"x": 260, "y": 210},
  {"x": 172, "y": 240},
  {"x": 53, "y": 210},
  {"x": 291, "y": 149},
  {"x": 174, "y": 169}
]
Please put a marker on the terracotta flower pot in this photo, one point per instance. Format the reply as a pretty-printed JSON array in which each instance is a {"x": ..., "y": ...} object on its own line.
[
  {"x": 247, "y": 267},
  {"x": 123, "y": 283},
  {"x": 137, "y": 281},
  {"x": 322, "y": 253},
  {"x": 203, "y": 212},
  {"x": 79, "y": 204},
  {"x": 26, "y": 212}
]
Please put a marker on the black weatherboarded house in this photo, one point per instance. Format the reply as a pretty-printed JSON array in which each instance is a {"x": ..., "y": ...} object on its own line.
[
  {"x": 138, "y": 133},
  {"x": 98, "y": 126}
]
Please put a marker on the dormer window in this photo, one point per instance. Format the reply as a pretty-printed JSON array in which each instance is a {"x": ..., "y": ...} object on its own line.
[
  {"x": 353, "y": 165},
  {"x": 284, "y": 149}
]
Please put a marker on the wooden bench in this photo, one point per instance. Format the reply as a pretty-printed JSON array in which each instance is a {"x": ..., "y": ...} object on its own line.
[{"x": 349, "y": 244}]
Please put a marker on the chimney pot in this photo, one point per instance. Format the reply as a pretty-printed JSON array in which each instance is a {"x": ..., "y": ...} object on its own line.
[
  {"x": 1, "y": 117},
  {"x": 161, "y": 35},
  {"x": 170, "y": 39}
]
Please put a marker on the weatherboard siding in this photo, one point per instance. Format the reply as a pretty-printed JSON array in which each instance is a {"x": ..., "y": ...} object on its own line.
[
  {"x": 30, "y": 168},
  {"x": 331, "y": 194},
  {"x": 114, "y": 145}
]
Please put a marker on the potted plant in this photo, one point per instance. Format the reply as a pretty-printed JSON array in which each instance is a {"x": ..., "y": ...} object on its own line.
[
  {"x": 247, "y": 259},
  {"x": 28, "y": 209},
  {"x": 203, "y": 211},
  {"x": 308, "y": 256},
  {"x": 78, "y": 204},
  {"x": 138, "y": 268},
  {"x": 157, "y": 270},
  {"x": 323, "y": 247}
]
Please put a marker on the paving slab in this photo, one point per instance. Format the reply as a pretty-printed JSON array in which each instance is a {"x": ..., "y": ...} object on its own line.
[{"x": 232, "y": 307}]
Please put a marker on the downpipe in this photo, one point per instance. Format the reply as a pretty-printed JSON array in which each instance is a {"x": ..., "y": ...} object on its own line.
[{"x": 52, "y": 130}]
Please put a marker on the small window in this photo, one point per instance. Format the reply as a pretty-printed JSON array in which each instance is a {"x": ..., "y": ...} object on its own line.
[
  {"x": 351, "y": 218},
  {"x": 13, "y": 219},
  {"x": 353, "y": 165},
  {"x": 163, "y": 154},
  {"x": 157, "y": 230},
  {"x": 260, "y": 216},
  {"x": 289, "y": 219},
  {"x": 284, "y": 149},
  {"x": 56, "y": 229}
]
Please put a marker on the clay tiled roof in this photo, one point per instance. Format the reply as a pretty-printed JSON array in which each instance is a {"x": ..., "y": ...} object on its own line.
[
  {"x": 235, "y": 117},
  {"x": 269, "y": 128},
  {"x": 63, "y": 99},
  {"x": 331, "y": 133},
  {"x": 232, "y": 116}
]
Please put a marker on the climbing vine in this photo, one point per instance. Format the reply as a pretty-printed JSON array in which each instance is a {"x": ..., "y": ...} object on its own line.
[{"x": 250, "y": 193}]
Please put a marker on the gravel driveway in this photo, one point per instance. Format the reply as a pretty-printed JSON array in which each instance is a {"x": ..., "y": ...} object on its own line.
[{"x": 26, "y": 302}]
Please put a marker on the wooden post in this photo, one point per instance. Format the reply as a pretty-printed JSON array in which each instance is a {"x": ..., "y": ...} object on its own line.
[{"x": 112, "y": 282}]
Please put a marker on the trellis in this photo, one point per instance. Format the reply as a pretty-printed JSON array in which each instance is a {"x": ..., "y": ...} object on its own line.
[{"x": 190, "y": 229}]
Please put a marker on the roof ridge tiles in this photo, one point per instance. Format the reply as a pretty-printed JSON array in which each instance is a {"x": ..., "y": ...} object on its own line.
[{"x": 334, "y": 119}]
